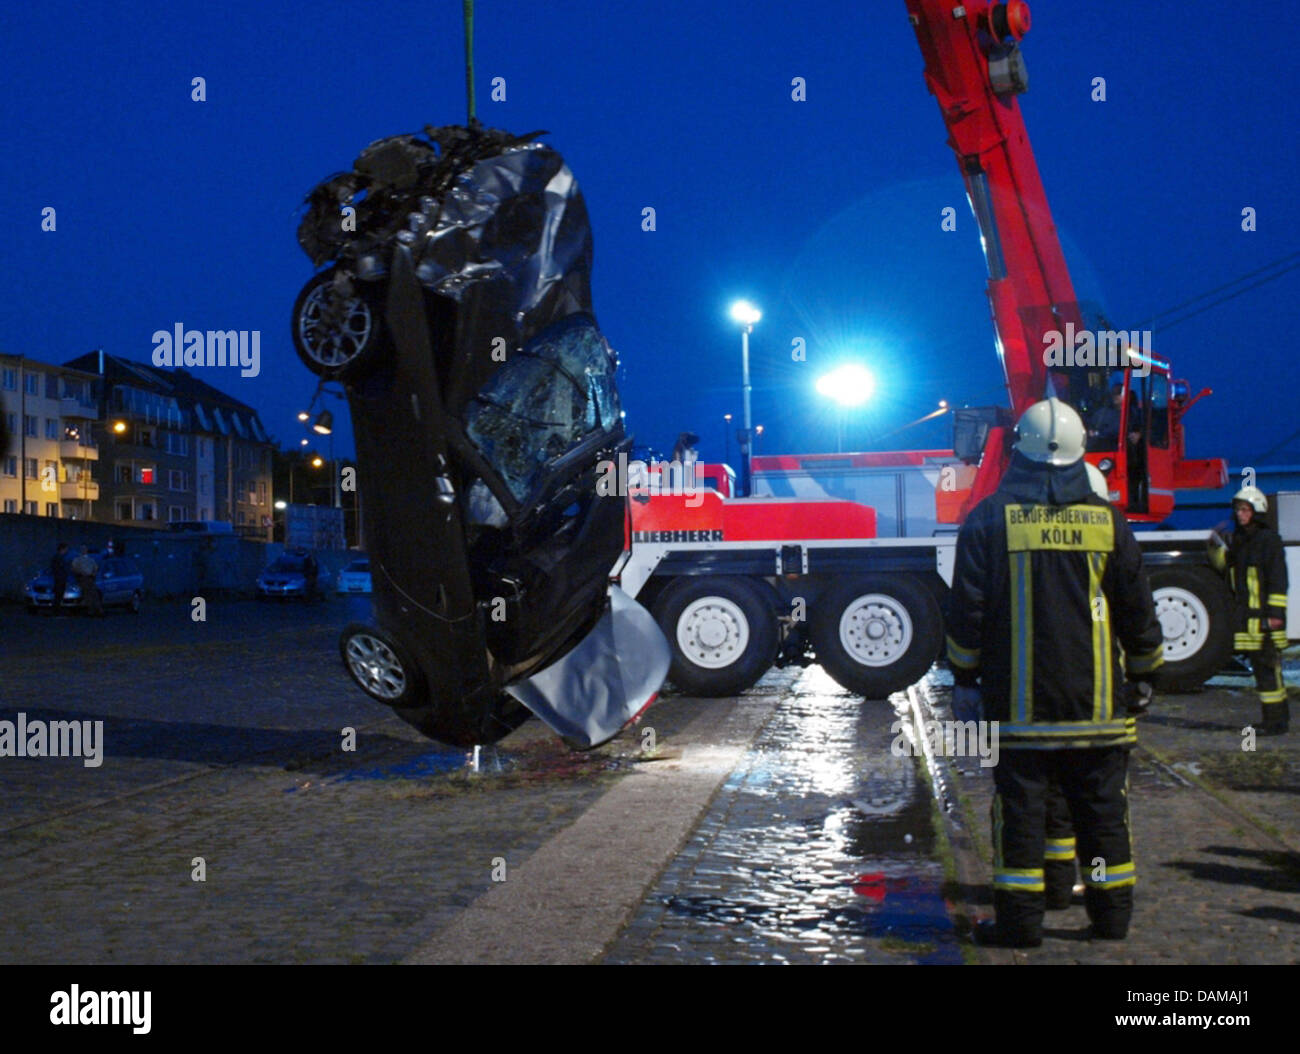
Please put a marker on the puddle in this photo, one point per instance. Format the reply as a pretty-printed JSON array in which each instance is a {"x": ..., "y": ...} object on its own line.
[{"x": 818, "y": 848}]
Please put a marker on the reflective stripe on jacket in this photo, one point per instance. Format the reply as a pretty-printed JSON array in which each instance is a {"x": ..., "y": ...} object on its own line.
[{"x": 1042, "y": 594}]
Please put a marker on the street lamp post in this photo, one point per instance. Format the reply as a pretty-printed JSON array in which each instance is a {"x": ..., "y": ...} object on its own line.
[
  {"x": 324, "y": 425},
  {"x": 726, "y": 438},
  {"x": 848, "y": 385},
  {"x": 747, "y": 315}
]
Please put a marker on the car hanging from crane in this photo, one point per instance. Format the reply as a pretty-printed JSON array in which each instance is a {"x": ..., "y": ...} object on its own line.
[{"x": 453, "y": 305}]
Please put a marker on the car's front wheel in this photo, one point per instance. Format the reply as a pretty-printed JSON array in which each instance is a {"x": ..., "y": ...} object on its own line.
[{"x": 335, "y": 327}]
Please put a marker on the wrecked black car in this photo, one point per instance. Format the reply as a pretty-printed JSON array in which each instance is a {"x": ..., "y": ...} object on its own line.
[{"x": 454, "y": 308}]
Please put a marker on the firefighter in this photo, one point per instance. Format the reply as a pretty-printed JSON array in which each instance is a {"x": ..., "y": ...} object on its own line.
[
  {"x": 1048, "y": 578},
  {"x": 1059, "y": 852},
  {"x": 1256, "y": 566}
]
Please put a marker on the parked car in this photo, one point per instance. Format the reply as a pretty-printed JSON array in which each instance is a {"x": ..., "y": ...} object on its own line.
[
  {"x": 119, "y": 580},
  {"x": 292, "y": 574},
  {"x": 355, "y": 578}
]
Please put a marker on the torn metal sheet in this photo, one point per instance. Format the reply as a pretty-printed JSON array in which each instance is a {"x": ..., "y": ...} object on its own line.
[
  {"x": 454, "y": 308},
  {"x": 591, "y": 693}
]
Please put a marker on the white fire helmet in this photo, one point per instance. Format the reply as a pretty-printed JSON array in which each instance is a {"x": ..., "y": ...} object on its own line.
[
  {"x": 1097, "y": 481},
  {"x": 1252, "y": 496},
  {"x": 1051, "y": 432}
]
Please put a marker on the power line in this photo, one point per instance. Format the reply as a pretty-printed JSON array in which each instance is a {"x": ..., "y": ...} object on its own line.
[
  {"x": 1230, "y": 296},
  {"x": 1219, "y": 289}
]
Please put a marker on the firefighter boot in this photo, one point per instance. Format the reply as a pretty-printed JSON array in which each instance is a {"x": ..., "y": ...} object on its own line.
[
  {"x": 1109, "y": 911},
  {"x": 1058, "y": 881},
  {"x": 1019, "y": 922},
  {"x": 1276, "y": 718}
]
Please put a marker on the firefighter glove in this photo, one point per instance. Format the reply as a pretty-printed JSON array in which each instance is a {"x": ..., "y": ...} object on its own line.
[
  {"x": 1139, "y": 696},
  {"x": 967, "y": 703}
]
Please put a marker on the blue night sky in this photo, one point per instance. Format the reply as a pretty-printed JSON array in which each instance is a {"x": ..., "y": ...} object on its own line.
[{"x": 824, "y": 212}]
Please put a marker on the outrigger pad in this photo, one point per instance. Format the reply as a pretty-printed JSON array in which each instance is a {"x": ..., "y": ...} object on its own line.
[
  {"x": 456, "y": 314},
  {"x": 604, "y": 683}
]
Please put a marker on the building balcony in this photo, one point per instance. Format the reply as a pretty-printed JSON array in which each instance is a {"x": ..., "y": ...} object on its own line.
[
  {"x": 76, "y": 450},
  {"x": 81, "y": 490},
  {"x": 74, "y": 407}
]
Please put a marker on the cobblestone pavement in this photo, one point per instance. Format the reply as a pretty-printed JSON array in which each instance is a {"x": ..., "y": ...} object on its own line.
[
  {"x": 1216, "y": 835},
  {"x": 819, "y": 848},
  {"x": 223, "y": 741}
]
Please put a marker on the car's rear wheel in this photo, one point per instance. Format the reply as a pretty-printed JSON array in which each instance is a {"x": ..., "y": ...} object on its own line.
[{"x": 381, "y": 667}]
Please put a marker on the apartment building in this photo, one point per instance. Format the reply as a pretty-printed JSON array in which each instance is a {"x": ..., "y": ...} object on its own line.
[
  {"x": 173, "y": 447},
  {"x": 48, "y": 452}
]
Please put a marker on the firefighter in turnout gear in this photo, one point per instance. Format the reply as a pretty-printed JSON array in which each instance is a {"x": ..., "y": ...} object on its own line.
[
  {"x": 1256, "y": 567},
  {"x": 1048, "y": 579},
  {"x": 1058, "y": 857}
]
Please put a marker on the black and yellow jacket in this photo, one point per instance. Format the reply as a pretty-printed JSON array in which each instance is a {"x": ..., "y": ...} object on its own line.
[
  {"x": 1256, "y": 564},
  {"x": 1048, "y": 579}
]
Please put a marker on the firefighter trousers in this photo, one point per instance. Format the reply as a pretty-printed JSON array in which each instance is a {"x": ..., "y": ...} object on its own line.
[
  {"x": 1266, "y": 663},
  {"x": 1058, "y": 855},
  {"x": 1093, "y": 783}
]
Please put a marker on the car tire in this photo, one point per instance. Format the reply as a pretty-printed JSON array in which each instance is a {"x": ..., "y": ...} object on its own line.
[
  {"x": 1195, "y": 613},
  {"x": 876, "y": 634},
  {"x": 722, "y": 631},
  {"x": 336, "y": 338},
  {"x": 381, "y": 666}
]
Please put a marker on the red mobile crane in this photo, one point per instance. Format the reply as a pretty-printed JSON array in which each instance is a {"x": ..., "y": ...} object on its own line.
[
  {"x": 974, "y": 68},
  {"x": 795, "y": 576}
]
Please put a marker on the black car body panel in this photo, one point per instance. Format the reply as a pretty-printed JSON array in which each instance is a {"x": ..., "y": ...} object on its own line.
[{"x": 483, "y": 402}]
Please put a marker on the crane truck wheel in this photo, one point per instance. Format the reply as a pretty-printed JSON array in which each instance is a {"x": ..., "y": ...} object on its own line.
[
  {"x": 1195, "y": 616},
  {"x": 722, "y": 631},
  {"x": 876, "y": 634}
]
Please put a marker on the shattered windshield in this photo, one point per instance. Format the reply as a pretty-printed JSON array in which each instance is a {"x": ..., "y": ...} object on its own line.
[{"x": 546, "y": 400}]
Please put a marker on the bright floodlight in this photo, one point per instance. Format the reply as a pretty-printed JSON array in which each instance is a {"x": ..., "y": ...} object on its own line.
[
  {"x": 282, "y": 505},
  {"x": 849, "y": 385},
  {"x": 745, "y": 313}
]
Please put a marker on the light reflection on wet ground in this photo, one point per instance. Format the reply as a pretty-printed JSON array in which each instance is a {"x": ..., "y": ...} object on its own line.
[{"x": 817, "y": 849}]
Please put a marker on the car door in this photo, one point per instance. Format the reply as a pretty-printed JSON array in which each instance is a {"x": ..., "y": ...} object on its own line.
[{"x": 108, "y": 580}]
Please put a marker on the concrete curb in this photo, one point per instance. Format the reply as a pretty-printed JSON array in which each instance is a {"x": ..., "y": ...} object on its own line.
[{"x": 570, "y": 899}]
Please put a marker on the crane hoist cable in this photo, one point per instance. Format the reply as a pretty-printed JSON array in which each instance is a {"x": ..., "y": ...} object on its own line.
[{"x": 467, "y": 7}]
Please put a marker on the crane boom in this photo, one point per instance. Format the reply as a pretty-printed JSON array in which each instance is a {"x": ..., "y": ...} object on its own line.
[{"x": 975, "y": 70}]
